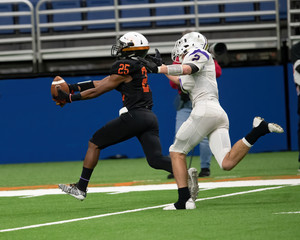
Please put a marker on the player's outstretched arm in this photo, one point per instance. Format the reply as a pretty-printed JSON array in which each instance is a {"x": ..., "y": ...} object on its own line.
[
  {"x": 174, "y": 70},
  {"x": 105, "y": 85}
]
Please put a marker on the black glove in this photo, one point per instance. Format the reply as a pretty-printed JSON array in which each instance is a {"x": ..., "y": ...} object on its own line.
[
  {"x": 157, "y": 58},
  {"x": 62, "y": 96},
  {"x": 150, "y": 66}
]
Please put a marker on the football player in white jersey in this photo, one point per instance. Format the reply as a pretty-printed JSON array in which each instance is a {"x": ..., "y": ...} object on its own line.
[{"x": 196, "y": 75}]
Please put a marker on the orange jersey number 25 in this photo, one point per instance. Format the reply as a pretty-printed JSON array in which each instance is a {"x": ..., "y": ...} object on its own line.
[{"x": 123, "y": 69}]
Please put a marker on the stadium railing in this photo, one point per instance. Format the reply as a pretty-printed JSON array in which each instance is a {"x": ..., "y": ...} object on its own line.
[
  {"x": 71, "y": 29},
  {"x": 17, "y": 30},
  {"x": 293, "y": 19}
]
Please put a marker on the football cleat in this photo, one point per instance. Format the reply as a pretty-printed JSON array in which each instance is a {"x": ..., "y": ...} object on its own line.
[
  {"x": 190, "y": 204},
  {"x": 273, "y": 127},
  {"x": 193, "y": 183},
  {"x": 73, "y": 191}
]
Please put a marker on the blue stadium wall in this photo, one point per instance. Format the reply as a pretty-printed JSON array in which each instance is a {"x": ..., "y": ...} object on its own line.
[{"x": 34, "y": 129}]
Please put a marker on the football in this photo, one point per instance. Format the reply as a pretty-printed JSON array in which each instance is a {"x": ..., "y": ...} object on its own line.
[{"x": 59, "y": 82}]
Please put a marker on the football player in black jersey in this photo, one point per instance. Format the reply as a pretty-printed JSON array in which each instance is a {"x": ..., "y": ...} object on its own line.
[{"x": 136, "y": 119}]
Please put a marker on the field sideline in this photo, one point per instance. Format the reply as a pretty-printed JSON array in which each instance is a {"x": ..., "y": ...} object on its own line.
[{"x": 231, "y": 205}]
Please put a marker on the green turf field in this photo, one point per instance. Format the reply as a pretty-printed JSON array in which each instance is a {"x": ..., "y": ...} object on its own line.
[{"x": 249, "y": 212}]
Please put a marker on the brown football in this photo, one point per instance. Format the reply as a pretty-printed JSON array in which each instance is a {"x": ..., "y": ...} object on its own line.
[{"x": 59, "y": 82}]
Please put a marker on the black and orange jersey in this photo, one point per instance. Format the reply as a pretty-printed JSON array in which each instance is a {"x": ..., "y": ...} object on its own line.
[{"x": 136, "y": 93}]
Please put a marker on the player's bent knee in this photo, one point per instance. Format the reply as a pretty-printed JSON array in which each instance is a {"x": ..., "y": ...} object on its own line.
[
  {"x": 156, "y": 162},
  {"x": 92, "y": 145}
]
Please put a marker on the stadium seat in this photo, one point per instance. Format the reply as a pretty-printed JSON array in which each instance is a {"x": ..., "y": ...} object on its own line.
[
  {"x": 43, "y": 18},
  {"x": 67, "y": 17},
  {"x": 240, "y": 7},
  {"x": 6, "y": 20},
  {"x": 130, "y": 13},
  {"x": 26, "y": 19},
  {"x": 265, "y": 6},
  {"x": 101, "y": 15},
  {"x": 169, "y": 11},
  {"x": 207, "y": 9}
]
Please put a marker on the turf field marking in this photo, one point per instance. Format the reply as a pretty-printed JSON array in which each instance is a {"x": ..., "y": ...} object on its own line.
[
  {"x": 156, "y": 187},
  {"x": 130, "y": 211},
  {"x": 288, "y": 212},
  {"x": 146, "y": 182}
]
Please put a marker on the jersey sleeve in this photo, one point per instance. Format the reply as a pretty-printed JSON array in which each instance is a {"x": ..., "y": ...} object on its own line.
[{"x": 198, "y": 57}]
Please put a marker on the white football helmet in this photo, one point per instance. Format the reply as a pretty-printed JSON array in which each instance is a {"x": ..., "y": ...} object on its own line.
[
  {"x": 186, "y": 42},
  {"x": 130, "y": 44}
]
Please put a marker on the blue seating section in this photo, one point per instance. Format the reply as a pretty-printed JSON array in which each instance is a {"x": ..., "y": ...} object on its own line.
[
  {"x": 265, "y": 6},
  {"x": 67, "y": 16},
  {"x": 100, "y": 15},
  {"x": 129, "y": 13},
  {"x": 134, "y": 13},
  {"x": 6, "y": 20},
  {"x": 246, "y": 7},
  {"x": 206, "y": 10},
  {"x": 26, "y": 19},
  {"x": 43, "y": 18},
  {"x": 169, "y": 11}
]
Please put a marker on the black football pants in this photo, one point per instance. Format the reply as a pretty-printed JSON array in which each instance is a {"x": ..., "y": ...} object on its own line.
[{"x": 141, "y": 123}]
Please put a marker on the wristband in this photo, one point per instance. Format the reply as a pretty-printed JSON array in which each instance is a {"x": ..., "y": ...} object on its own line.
[
  {"x": 86, "y": 85},
  {"x": 75, "y": 97}
]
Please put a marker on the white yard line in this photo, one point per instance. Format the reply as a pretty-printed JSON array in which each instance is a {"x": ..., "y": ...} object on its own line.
[
  {"x": 130, "y": 211},
  {"x": 298, "y": 212}
]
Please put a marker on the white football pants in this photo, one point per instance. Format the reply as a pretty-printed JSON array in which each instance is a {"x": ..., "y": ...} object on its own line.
[{"x": 207, "y": 118}]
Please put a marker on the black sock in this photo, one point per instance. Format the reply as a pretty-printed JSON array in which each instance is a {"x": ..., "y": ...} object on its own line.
[
  {"x": 257, "y": 132},
  {"x": 84, "y": 179},
  {"x": 183, "y": 196}
]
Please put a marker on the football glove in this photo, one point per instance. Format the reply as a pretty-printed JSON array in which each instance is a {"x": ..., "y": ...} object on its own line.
[
  {"x": 62, "y": 96},
  {"x": 157, "y": 58},
  {"x": 150, "y": 66}
]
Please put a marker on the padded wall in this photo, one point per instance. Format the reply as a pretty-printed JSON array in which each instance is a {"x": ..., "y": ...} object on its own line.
[{"x": 34, "y": 129}]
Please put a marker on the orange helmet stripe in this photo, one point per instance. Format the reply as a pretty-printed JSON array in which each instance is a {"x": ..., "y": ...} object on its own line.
[{"x": 135, "y": 48}]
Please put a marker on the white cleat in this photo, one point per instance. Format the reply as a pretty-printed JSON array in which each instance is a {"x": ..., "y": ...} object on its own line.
[
  {"x": 273, "y": 127},
  {"x": 193, "y": 183},
  {"x": 190, "y": 204},
  {"x": 73, "y": 191}
]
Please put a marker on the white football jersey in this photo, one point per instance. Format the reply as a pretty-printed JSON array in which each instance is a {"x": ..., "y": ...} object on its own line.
[
  {"x": 202, "y": 84},
  {"x": 207, "y": 118}
]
